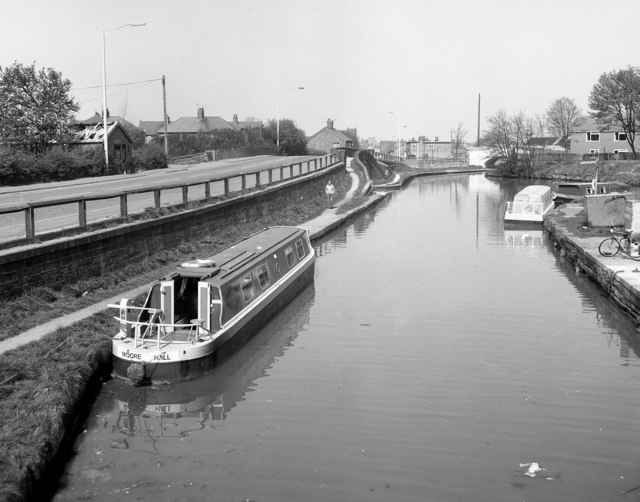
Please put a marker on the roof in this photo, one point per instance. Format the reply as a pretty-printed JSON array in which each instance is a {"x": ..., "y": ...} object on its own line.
[
  {"x": 95, "y": 133},
  {"x": 333, "y": 133},
  {"x": 590, "y": 124},
  {"x": 532, "y": 192},
  {"x": 151, "y": 127},
  {"x": 247, "y": 124},
  {"x": 196, "y": 125}
]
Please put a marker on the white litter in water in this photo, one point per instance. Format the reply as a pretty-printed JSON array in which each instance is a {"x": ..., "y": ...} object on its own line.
[{"x": 533, "y": 468}]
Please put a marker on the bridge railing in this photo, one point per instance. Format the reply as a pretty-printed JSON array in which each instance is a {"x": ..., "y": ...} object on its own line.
[{"x": 20, "y": 223}]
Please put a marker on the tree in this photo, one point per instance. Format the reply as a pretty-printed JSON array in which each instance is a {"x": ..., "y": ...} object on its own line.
[
  {"x": 35, "y": 107},
  {"x": 510, "y": 138},
  {"x": 615, "y": 99},
  {"x": 563, "y": 116},
  {"x": 457, "y": 137},
  {"x": 292, "y": 139}
]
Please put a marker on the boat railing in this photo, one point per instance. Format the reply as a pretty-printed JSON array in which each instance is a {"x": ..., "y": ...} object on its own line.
[
  {"x": 155, "y": 328},
  {"x": 525, "y": 207}
]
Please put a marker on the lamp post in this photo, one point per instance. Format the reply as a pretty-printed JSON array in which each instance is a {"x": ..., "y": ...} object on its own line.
[
  {"x": 397, "y": 114},
  {"x": 104, "y": 89},
  {"x": 278, "y": 111}
]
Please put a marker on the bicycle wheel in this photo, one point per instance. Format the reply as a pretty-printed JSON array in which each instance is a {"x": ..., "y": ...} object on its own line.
[{"x": 609, "y": 247}]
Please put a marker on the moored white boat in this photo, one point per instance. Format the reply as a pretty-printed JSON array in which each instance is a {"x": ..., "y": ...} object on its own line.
[
  {"x": 530, "y": 204},
  {"x": 207, "y": 309}
]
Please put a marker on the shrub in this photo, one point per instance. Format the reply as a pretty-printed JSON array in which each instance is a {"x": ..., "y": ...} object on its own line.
[{"x": 149, "y": 156}]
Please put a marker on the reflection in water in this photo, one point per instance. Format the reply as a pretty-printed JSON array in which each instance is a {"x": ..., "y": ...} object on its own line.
[
  {"x": 188, "y": 406},
  {"x": 437, "y": 353}
]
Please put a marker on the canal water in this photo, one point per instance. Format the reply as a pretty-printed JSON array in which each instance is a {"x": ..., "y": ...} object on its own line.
[{"x": 437, "y": 357}]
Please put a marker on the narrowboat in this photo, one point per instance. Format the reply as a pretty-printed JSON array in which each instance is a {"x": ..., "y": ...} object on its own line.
[
  {"x": 208, "y": 308},
  {"x": 571, "y": 192},
  {"x": 530, "y": 205}
]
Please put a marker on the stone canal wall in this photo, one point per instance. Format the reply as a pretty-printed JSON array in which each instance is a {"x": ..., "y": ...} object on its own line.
[
  {"x": 66, "y": 260},
  {"x": 618, "y": 277}
]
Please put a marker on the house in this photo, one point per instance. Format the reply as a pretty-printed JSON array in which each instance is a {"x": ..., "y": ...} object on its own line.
[
  {"x": 426, "y": 149},
  {"x": 91, "y": 136},
  {"x": 151, "y": 128},
  {"x": 328, "y": 138},
  {"x": 249, "y": 123},
  {"x": 200, "y": 124},
  {"x": 591, "y": 137}
]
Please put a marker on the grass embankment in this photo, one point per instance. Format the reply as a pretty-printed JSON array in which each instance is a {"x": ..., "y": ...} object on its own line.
[
  {"x": 625, "y": 171},
  {"x": 46, "y": 385}
]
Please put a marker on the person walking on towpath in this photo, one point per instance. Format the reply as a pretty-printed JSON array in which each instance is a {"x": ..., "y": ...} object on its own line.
[{"x": 330, "y": 191}]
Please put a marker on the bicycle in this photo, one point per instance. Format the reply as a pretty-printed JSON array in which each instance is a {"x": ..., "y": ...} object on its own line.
[{"x": 620, "y": 242}]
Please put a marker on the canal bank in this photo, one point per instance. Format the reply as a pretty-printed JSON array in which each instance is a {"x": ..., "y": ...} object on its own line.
[{"x": 617, "y": 276}]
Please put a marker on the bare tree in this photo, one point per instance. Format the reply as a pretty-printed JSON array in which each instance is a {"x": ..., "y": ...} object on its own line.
[
  {"x": 563, "y": 116},
  {"x": 457, "y": 137},
  {"x": 615, "y": 99},
  {"x": 510, "y": 137}
]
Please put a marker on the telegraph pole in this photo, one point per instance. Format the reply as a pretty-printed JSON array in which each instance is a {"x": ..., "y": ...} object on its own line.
[{"x": 478, "y": 120}]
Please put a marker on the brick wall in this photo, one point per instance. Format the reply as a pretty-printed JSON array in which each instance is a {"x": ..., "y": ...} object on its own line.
[{"x": 67, "y": 260}]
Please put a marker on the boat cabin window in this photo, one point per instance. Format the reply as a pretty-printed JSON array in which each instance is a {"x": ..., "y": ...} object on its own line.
[
  {"x": 291, "y": 259},
  {"x": 300, "y": 249},
  {"x": 263, "y": 276},
  {"x": 247, "y": 288}
]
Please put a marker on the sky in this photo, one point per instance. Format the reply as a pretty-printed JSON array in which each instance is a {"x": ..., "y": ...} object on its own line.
[{"x": 389, "y": 68}]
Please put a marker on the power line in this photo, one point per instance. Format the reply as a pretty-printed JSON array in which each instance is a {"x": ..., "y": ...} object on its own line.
[{"x": 117, "y": 85}]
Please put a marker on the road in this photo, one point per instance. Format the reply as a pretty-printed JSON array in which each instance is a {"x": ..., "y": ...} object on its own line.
[{"x": 12, "y": 225}]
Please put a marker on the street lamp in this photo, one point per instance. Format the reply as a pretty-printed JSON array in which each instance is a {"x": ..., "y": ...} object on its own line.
[
  {"x": 397, "y": 114},
  {"x": 104, "y": 89},
  {"x": 278, "y": 111}
]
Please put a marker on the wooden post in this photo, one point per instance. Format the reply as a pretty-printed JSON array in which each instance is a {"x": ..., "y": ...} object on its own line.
[
  {"x": 30, "y": 223},
  {"x": 82, "y": 213},
  {"x": 123, "y": 205},
  {"x": 156, "y": 198}
]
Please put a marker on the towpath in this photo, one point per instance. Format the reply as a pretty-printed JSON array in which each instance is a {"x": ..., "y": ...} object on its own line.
[{"x": 317, "y": 227}]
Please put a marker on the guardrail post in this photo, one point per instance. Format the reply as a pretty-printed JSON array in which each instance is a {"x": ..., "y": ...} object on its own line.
[
  {"x": 291, "y": 171},
  {"x": 270, "y": 176},
  {"x": 156, "y": 198},
  {"x": 315, "y": 164},
  {"x": 244, "y": 181},
  {"x": 30, "y": 223},
  {"x": 281, "y": 172},
  {"x": 123, "y": 205},
  {"x": 207, "y": 190},
  {"x": 300, "y": 168},
  {"x": 226, "y": 186},
  {"x": 82, "y": 213},
  {"x": 185, "y": 194},
  {"x": 258, "y": 178}
]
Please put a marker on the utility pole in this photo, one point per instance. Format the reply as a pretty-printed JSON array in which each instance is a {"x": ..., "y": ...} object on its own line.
[
  {"x": 164, "y": 102},
  {"x": 478, "y": 144}
]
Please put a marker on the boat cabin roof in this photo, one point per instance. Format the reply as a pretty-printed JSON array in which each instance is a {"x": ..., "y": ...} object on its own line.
[
  {"x": 532, "y": 193},
  {"x": 237, "y": 255}
]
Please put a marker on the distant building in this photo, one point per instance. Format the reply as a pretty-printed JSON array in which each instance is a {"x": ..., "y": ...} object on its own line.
[
  {"x": 328, "y": 138},
  {"x": 591, "y": 137},
  {"x": 200, "y": 124},
  {"x": 151, "y": 128},
  {"x": 91, "y": 136}
]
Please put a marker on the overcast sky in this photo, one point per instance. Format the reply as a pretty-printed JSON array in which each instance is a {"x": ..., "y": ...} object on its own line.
[{"x": 424, "y": 60}]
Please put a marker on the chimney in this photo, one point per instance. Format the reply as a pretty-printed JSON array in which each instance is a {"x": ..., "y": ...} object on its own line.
[
  {"x": 200, "y": 113},
  {"x": 329, "y": 124},
  {"x": 235, "y": 118}
]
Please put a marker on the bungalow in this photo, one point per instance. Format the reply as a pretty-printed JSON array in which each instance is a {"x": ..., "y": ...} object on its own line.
[
  {"x": 200, "y": 124},
  {"x": 591, "y": 137},
  {"x": 328, "y": 138}
]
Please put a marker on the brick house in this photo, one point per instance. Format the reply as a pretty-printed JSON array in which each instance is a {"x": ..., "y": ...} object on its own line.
[{"x": 329, "y": 138}]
